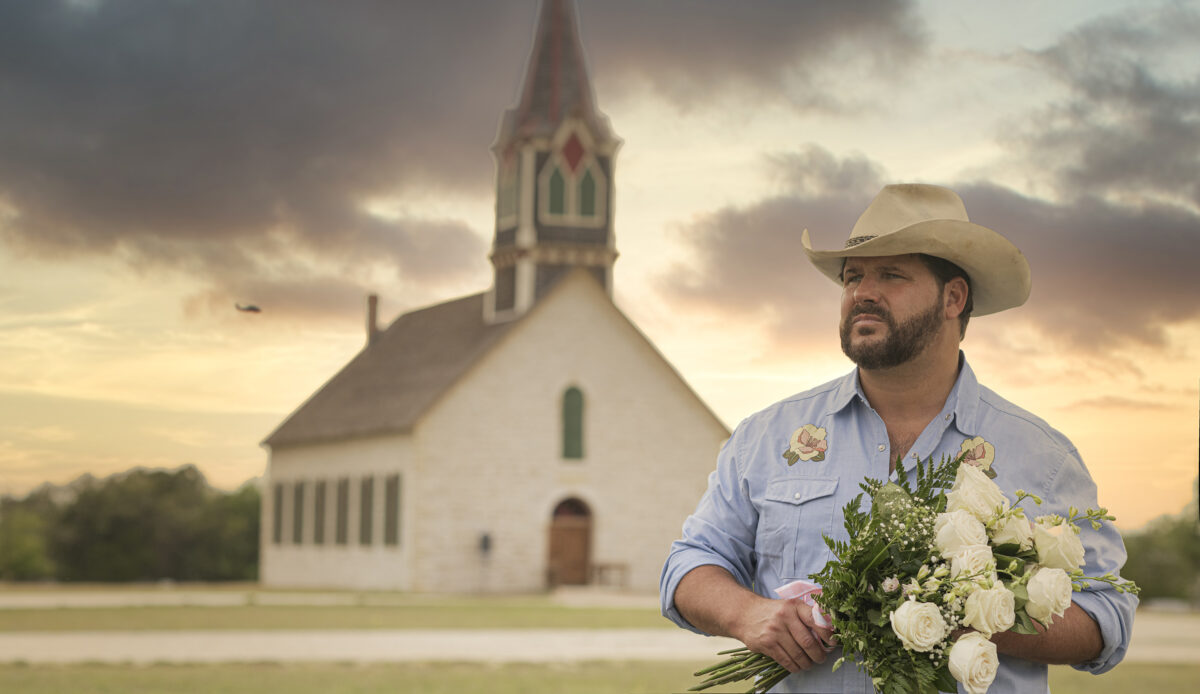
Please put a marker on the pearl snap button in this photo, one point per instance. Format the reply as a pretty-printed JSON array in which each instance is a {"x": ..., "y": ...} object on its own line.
[
  {"x": 882, "y": 447},
  {"x": 796, "y": 496}
]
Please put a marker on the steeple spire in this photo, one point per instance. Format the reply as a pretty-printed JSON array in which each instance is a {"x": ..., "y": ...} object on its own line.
[
  {"x": 556, "y": 84},
  {"x": 554, "y": 182}
]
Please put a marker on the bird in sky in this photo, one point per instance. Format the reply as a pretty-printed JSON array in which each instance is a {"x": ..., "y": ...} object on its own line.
[{"x": 248, "y": 308}]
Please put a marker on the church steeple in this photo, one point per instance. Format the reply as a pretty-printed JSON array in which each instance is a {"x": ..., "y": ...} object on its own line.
[{"x": 554, "y": 173}]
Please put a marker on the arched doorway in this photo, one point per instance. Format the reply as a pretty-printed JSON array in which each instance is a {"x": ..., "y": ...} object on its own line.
[{"x": 570, "y": 543}]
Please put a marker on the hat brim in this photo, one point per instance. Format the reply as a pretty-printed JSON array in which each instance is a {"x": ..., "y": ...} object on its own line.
[{"x": 1000, "y": 277}]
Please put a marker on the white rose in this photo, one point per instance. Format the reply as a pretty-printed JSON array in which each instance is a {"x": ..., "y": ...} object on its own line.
[
  {"x": 1014, "y": 530},
  {"x": 973, "y": 662},
  {"x": 955, "y": 530},
  {"x": 974, "y": 492},
  {"x": 990, "y": 610},
  {"x": 1058, "y": 546},
  {"x": 974, "y": 560},
  {"x": 919, "y": 625},
  {"x": 1049, "y": 594}
]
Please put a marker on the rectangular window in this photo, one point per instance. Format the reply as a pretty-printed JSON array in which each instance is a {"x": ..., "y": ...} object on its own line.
[
  {"x": 298, "y": 513},
  {"x": 391, "y": 511},
  {"x": 366, "y": 520},
  {"x": 319, "y": 512},
  {"x": 277, "y": 515},
  {"x": 341, "y": 529}
]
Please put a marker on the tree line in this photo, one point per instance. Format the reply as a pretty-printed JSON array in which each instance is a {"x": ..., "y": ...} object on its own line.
[
  {"x": 1164, "y": 557},
  {"x": 141, "y": 525},
  {"x": 151, "y": 525}
]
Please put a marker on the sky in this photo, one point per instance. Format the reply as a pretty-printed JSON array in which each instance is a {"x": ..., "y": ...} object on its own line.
[{"x": 162, "y": 161}]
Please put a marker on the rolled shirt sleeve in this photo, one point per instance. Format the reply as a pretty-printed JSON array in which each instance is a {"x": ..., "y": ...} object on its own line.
[
  {"x": 1105, "y": 553},
  {"x": 720, "y": 532}
]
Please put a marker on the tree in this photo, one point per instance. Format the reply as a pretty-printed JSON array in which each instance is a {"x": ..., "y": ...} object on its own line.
[
  {"x": 147, "y": 525},
  {"x": 1164, "y": 558},
  {"x": 23, "y": 554}
]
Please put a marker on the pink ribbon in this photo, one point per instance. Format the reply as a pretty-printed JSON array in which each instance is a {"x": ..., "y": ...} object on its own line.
[{"x": 803, "y": 591}]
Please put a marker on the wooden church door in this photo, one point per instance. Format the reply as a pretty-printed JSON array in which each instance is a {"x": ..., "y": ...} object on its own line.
[{"x": 570, "y": 543}]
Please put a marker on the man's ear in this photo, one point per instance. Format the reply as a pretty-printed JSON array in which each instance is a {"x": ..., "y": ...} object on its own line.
[{"x": 954, "y": 297}]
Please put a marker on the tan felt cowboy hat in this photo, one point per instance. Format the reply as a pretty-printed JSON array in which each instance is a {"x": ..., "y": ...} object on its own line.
[{"x": 919, "y": 218}]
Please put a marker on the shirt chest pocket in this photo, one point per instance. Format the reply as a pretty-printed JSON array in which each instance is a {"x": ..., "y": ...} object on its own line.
[{"x": 795, "y": 513}]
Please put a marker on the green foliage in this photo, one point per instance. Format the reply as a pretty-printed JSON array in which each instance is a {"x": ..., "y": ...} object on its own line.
[
  {"x": 23, "y": 554},
  {"x": 1164, "y": 558},
  {"x": 143, "y": 525}
]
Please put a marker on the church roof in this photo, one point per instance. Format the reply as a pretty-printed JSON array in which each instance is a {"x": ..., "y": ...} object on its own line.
[
  {"x": 556, "y": 85},
  {"x": 397, "y": 377}
]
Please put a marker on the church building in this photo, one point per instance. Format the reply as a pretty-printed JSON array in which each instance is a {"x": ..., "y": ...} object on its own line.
[{"x": 521, "y": 438}]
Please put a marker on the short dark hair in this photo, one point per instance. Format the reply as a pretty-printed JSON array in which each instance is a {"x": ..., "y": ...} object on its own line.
[{"x": 943, "y": 271}]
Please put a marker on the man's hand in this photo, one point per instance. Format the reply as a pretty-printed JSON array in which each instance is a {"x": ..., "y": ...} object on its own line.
[{"x": 785, "y": 631}]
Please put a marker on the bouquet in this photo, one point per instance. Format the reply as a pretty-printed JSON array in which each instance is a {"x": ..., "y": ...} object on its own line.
[{"x": 929, "y": 575}]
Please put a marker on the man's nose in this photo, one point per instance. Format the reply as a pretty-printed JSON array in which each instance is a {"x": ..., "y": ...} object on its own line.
[{"x": 867, "y": 289}]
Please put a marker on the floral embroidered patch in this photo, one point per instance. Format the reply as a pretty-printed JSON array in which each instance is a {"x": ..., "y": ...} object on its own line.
[
  {"x": 979, "y": 453},
  {"x": 807, "y": 443}
]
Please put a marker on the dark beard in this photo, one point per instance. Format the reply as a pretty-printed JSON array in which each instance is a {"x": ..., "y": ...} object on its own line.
[{"x": 903, "y": 342}]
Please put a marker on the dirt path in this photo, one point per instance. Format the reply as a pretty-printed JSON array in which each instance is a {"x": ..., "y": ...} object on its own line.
[
  {"x": 359, "y": 646},
  {"x": 1164, "y": 638}
]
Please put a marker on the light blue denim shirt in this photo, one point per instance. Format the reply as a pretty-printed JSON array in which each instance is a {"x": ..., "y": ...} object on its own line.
[{"x": 762, "y": 520}]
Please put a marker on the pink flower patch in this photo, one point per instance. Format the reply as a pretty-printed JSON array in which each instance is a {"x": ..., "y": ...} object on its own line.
[
  {"x": 979, "y": 453},
  {"x": 807, "y": 443}
]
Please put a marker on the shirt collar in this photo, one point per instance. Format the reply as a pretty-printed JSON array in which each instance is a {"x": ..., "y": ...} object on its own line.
[
  {"x": 963, "y": 400},
  {"x": 847, "y": 390}
]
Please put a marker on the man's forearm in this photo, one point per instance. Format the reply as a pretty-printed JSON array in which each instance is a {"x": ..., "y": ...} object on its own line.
[
  {"x": 711, "y": 600},
  {"x": 1072, "y": 638}
]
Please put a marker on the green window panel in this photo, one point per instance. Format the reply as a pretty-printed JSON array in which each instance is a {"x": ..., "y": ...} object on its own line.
[
  {"x": 572, "y": 409},
  {"x": 587, "y": 195},
  {"x": 558, "y": 193}
]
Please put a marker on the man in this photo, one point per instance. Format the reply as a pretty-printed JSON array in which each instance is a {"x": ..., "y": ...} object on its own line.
[{"x": 912, "y": 272}]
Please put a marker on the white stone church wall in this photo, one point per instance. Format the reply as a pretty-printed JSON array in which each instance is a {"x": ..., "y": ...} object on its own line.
[
  {"x": 492, "y": 451},
  {"x": 349, "y": 565}
]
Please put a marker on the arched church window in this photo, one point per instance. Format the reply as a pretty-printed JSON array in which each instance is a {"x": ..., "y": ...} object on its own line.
[
  {"x": 558, "y": 193},
  {"x": 572, "y": 423},
  {"x": 587, "y": 194}
]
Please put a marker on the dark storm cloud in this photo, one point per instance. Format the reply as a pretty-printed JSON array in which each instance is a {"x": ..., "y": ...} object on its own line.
[
  {"x": 749, "y": 260},
  {"x": 1104, "y": 274},
  {"x": 1130, "y": 122},
  {"x": 226, "y": 138},
  {"x": 765, "y": 51},
  {"x": 1099, "y": 268},
  {"x": 230, "y": 139},
  {"x": 1112, "y": 255}
]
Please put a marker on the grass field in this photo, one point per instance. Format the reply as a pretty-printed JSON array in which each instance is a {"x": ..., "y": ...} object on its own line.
[
  {"x": 580, "y": 678},
  {"x": 259, "y": 609},
  {"x": 446, "y": 614}
]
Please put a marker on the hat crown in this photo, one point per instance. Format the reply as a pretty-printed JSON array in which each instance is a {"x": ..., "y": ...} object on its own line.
[{"x": 901, "y": 205}]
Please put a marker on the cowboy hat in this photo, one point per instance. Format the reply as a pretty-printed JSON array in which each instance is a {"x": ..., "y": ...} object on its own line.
[{"x": 919, "y": 218}]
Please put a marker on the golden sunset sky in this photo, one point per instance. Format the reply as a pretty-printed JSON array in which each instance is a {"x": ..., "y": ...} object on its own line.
[{"x": 161, "y": 161}]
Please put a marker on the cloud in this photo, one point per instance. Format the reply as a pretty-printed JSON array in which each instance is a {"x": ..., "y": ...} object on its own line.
[
  {"x": 227, "y": 138},
  {"x": 1097, "y": 265},
  {"x": 1129, "y": 125},
  {"x": 238, "y": 142},
  {"x": 768, "y": 51},
  {"x": 1117, "y": 403},
  {"x": 749, "y": 263}
]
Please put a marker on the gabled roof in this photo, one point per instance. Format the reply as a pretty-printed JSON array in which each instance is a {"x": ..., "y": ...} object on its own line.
[
  {"x": 397, "y": 377},
  {"x": 556, "y": 85}
]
